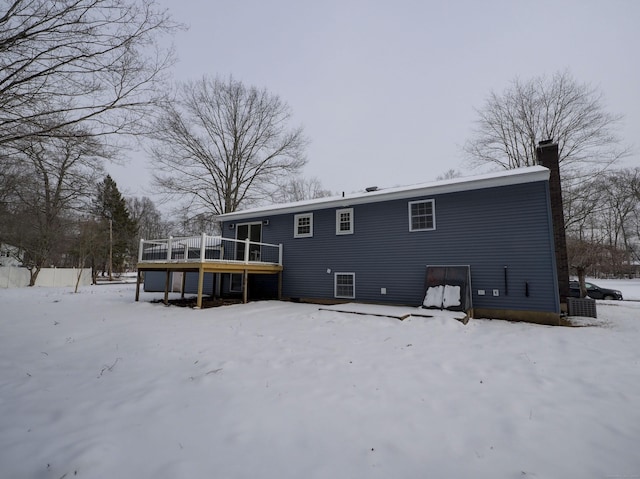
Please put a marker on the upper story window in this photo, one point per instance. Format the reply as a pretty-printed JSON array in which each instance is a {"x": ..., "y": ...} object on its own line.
[
  {"x": 344, "y": 221},
  {"x": 422, "y": 215},
  {"x": 303, "y": 225}
]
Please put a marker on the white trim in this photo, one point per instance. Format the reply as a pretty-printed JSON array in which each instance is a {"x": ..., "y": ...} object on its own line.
[
  {"x": 516, "y": 176},
  {"x": 296, "y": 233},
  {"x": 433, "y": 214},
  {"x": 335, "y": 285},
  {"x": 339, "y": 222}
]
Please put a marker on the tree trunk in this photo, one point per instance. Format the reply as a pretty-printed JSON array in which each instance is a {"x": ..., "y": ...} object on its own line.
[
  {"x": 33, "y": 274},
  {"x": 581, "y": 281}
]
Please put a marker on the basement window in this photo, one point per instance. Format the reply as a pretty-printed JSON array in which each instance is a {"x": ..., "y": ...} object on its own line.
[
  {"x": 345, "y": 285},
  {"x": 422, "y": 215}
]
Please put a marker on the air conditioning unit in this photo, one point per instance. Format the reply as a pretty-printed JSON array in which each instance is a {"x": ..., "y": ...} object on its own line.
[{"x": 585, "y": 307}]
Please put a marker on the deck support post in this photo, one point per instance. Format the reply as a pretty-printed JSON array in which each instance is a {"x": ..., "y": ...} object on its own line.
[
  {"x": 217, "y": 291},
  {"x": 279, "y": 285},
  {"x": 200, "y": 286},
  {"x": 247, "y": 244},
  {"x": 140, "y": 250},
  {"x": 245, "y": 286},
  {"x": 166, "y": 287},
  {"x": 138, "y": 285},
  {"x": 184, "y": 280},
  {"x": 203, "y": 249}
]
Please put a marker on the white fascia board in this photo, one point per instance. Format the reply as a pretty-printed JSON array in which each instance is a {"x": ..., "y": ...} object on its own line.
[{"x": 491, "y": 180}]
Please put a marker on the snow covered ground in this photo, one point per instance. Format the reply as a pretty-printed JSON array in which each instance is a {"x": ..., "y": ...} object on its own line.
[{"x": 94, "y": 385}]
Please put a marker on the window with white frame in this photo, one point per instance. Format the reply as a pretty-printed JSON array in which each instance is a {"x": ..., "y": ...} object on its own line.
[
  {"x": 303, "y": 225},
  {"x": 344, "y": 221},
  {"x": 345, "y": 285},
  {"x": 422, "y": 215}
]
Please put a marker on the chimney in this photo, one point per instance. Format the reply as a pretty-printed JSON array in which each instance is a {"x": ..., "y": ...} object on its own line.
[{"x": 547, "y": 154}]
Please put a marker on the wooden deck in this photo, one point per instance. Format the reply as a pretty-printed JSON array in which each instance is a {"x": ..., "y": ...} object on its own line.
[{"x": 208, "y": 254}]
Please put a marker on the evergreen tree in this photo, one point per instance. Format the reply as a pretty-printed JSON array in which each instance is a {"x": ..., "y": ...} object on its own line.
[{"x": 119, "y": 229}]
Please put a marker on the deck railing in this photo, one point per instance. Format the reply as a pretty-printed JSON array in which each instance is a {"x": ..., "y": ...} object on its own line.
[{"x": 206, "y": 248}]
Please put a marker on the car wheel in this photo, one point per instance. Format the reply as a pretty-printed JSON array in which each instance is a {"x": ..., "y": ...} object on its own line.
[{"x": 608, "y": 297}]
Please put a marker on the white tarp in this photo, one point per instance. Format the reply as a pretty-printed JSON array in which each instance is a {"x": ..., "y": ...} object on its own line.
[{"x": 442, "y": 296}]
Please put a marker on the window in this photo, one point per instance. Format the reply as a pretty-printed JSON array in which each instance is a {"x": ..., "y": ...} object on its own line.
[
  {"x": 253, "y": 231},
  {"x": 422, "y": 215},
  {"x": 236, "y": 280},
  {"x": 303, "y": 225},
  {"x": 344, "y": 221},
  {"x": 345, "y": 285}
]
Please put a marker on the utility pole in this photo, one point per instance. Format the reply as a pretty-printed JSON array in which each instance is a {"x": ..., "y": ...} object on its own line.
[{"x": 110, "y": 249}]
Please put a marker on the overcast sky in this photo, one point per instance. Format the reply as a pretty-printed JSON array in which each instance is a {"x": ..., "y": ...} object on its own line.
[{"x": 387, "y": 90}]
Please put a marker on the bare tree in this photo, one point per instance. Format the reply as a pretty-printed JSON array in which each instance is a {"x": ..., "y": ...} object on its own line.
[
  {"x": 299, "y": 188},
  {"x": 186, "y": 224},
  {"x": 583, "y": 254},
  {"x": 622, "y": 187},
  {"x": 605, "y": 239},
  {"x": 511, "y": 125},
  {"x": 616, "y": 219},
  {"x": 9, "y": 180},
  {"x": 89, "y": 238},
  {"x": 635, "y": 228},
  {"x": 144, "y": 213},
  {"x": 581, "y": 201},
  {"x": 67, "y": 62},
  {"x": 222, "y": 144},
  {"x": 56, "y": 180}
]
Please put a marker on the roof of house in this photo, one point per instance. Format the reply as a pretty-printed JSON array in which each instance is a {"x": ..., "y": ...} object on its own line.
[{"x": 491, "y": 180}]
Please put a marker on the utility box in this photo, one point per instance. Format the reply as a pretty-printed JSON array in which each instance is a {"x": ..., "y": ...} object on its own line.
[{"x": 585, "y": 307}]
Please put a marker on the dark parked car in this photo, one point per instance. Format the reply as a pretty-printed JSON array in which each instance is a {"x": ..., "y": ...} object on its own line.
[{"x": 594, "y": 291}]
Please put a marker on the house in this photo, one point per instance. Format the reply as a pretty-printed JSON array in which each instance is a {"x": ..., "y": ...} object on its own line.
[
  {"x": 10, "y": 255},
  {"x": 492, "y": 234}
]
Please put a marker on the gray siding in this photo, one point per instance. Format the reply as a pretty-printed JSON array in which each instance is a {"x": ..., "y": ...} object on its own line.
[
  {"x": 191, "y": 283},
  {"x": 486, "y": 229},
  {"x": 154, "y": 281}
]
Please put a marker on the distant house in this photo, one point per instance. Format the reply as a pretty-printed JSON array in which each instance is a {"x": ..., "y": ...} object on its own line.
[
  {"x": 10, "y": 255},
  {"x": 492, "y": 235}
]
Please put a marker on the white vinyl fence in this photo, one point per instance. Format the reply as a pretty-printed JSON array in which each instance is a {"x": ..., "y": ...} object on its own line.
[{"x": 15, "y": 277}]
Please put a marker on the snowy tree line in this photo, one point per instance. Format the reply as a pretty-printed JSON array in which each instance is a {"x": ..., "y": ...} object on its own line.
[{"x": 603, "y": 238}]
